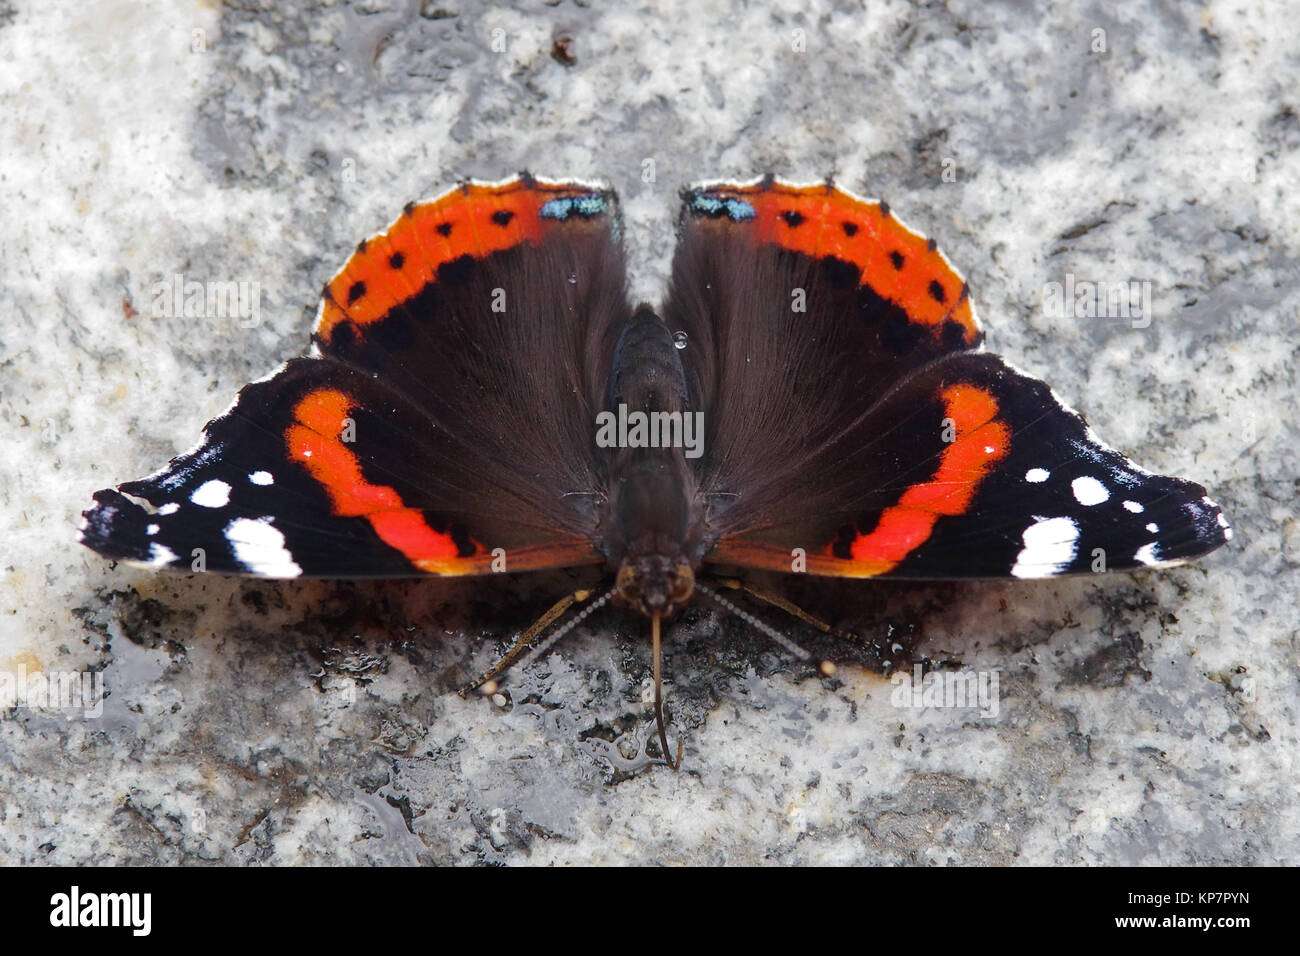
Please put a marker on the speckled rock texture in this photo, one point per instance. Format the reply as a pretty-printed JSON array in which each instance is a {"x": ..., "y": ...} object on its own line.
[{"x": 1142, "y": 718}]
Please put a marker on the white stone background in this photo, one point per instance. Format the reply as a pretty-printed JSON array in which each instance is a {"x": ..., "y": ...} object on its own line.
[{"x": 1145, "y": 718}]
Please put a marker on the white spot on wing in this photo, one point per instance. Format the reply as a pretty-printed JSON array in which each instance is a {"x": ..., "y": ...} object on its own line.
[
  {"x": 160, "y": 554},
  {"x": 212, "y": 494},
  {"x": 1089, "y": 491},
  {"x": 1050, "y": 545},
  {"x": 1153, "y": 527},
  {"x": 151, "y": 529},
  {"x": 1149, "y": 554},
  {"x": 261, "y": 478},
  {"x": 1036, "y": 475},
  {"x": 1134, "y": 507},
  {"x": 259, "y": 547}
]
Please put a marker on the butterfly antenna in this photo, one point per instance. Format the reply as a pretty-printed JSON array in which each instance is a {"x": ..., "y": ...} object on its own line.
[
  {"x": 540, "y": 650},
  {"x": 826, "y": 667},
  {"x": 656, "y": 648}
]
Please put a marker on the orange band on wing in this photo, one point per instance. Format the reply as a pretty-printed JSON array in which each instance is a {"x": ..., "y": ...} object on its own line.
[
  {"x": 980, "y": 440},
  {"x": 315, "y": 441},
  {"x": 473, "y": 220},
  {"x": 897, "y": 263}
]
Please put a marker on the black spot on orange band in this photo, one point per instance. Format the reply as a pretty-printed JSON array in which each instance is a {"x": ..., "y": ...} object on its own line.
[
  {"x": 904, "y": 270},
  {"x": 427, "y": 244}
]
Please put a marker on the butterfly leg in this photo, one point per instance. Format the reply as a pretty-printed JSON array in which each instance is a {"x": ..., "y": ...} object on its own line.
[
  {"x": 789, "y": 607},
  {"x": 524, "y": 640}
]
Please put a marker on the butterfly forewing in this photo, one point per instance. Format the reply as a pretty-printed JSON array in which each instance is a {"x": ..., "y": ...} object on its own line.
[
  {"x": 853, "y": 428},
  {"x": 443, "y": 423}
]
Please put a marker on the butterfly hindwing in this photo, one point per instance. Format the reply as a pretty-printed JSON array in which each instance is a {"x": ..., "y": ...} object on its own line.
[
  {"x": 970, "y": 469},
  {"x": 323, "y": 471},
  {"x": 442, "y": 424}
]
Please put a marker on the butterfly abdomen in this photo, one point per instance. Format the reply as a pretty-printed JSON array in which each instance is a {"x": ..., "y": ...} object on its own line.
[{"x": 645, "y": 436}]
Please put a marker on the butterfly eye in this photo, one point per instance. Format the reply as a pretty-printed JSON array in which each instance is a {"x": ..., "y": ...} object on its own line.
[
  {"x": 626, "y": 584},
  {"x": 683, "y": 584}
]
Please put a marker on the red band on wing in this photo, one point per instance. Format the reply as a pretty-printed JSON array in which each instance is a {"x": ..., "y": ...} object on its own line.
[
  {"x": 315, "y": 441},
  {"x": 980, "y": 440}
]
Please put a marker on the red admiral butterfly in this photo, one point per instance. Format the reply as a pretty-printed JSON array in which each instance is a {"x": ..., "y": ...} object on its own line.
[{"x": 480, "y": 396}]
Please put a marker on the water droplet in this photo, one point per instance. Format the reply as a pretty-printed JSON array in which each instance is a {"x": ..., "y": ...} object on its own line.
[{"x": 679, "y": 339}]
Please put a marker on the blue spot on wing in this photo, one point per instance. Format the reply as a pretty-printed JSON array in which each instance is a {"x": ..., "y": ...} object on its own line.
[
  {"x": 585, "y": 206},
  {"x": 737, "y": 210}
]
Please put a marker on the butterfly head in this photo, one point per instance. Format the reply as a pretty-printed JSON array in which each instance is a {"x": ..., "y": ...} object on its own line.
[{"x": 655, "y": 584}]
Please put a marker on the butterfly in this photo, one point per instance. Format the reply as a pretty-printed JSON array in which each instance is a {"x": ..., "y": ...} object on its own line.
[{"x": 481, "y": 397}]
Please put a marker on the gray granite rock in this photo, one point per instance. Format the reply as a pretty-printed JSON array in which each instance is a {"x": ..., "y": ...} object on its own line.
[{"x": 1143, "y": 718}]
